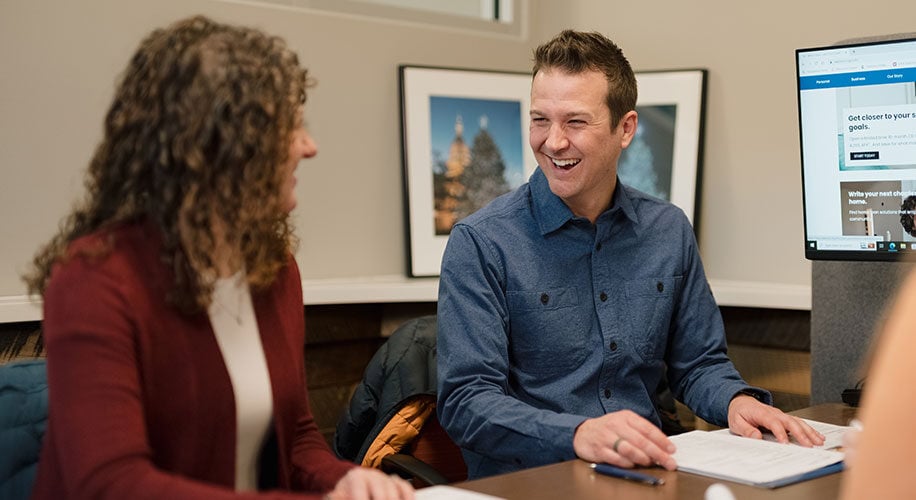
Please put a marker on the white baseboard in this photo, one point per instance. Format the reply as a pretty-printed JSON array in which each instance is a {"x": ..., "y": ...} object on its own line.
[
  {"x": 380, "y": 289},
  {"x": 402, "y": 289},
  {"x": 376, "y": 289},
  {"x": 18, "y": 308},
  {"x": 761, "y": 294}
]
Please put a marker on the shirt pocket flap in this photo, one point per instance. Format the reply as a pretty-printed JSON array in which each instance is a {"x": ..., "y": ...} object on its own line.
[
  {"x": 652, "y": 287},
  {"x": 542, "y": 300}
]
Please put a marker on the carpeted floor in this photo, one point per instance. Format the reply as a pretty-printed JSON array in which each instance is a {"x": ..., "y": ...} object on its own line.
[{"x": 20, "y": 341}]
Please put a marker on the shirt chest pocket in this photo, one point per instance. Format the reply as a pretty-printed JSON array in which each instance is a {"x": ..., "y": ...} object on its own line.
[
  {"x": 650, "y": 304},
  {"x": 546, "y": 334}
]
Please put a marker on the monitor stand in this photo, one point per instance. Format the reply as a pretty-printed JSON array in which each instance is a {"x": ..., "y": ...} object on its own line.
[{"x": 848, "y": 301}]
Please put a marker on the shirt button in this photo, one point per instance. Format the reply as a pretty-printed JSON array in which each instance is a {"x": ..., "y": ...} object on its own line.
[
  {"x": 603, "y": 297},
  {"x": 660, "y": 286},
  {"x": 607, "y": 394},
  {"x": 613, "y": 346},
  {"x": 545, "y": 298},
  {"x": 598, "y": 247}
]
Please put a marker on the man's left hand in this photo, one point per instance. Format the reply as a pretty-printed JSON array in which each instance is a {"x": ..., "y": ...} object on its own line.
[{"x": 746, "y": 416}]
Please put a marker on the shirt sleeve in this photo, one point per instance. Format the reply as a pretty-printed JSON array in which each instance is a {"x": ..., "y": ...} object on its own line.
[
  {"x": 316, "y": 468},
  {"x": 701, "y": 374},
  {"x": 476, "y": 405}
]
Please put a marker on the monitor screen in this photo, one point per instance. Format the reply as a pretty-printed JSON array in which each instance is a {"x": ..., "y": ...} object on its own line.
[{"x": 857, "y": 123}]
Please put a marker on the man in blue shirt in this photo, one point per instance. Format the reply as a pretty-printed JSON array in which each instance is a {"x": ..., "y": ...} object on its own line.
[{"x": 563, "y": 303}]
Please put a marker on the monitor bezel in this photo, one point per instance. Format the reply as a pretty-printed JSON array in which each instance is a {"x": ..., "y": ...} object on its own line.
[{"x": 815, "y": 254}]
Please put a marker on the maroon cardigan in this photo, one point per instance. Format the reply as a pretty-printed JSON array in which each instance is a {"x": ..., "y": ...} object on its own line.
[{"x": 141, "y": 404}]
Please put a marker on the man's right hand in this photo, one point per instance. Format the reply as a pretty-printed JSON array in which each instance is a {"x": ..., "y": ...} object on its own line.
[{"x": 624, "y": 439}]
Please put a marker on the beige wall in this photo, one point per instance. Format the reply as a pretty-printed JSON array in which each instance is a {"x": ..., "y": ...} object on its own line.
[
  {"x": 59, "y": 61},
  {"x": 751, "y": 226}
]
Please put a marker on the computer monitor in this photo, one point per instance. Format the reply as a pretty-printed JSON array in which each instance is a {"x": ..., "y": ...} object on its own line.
[{"x": 857, "y": 123}]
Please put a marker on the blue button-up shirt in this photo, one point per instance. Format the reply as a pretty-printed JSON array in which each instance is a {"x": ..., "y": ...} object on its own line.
[{"x": 546, "y": 319}]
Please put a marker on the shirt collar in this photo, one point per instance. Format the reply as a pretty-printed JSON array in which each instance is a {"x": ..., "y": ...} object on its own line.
[{"x": 551, "y": 213}]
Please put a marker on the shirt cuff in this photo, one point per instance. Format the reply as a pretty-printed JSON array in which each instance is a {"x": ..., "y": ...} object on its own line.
[{"x": 759, "y": 394}]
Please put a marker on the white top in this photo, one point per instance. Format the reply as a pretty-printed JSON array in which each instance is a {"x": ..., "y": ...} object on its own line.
[{"x": 236, "y": 329}]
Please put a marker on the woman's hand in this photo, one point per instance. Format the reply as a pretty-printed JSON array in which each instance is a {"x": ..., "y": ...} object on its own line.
[{"x": 363, "y": 483}]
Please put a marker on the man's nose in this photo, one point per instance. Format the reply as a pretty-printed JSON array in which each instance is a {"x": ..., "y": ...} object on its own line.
[{"x": 556, "y": 138}]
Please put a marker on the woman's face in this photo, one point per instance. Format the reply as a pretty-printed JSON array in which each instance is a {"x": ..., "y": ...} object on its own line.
[{"x": 301, "y": 146}]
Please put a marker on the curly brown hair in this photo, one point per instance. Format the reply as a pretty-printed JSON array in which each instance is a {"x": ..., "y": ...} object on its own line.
[{"x": 200, "y": 124}]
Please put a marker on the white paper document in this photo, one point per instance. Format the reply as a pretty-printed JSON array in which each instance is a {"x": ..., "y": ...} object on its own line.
[
  {"x": 442, "y": 492},
  {"x": 833, "y": 434},
  {"x": 751, "y": 461}
]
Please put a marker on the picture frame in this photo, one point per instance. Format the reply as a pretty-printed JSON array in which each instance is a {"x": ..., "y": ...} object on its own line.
[
  {"x": 439, "y": 104},
  {"x": 487, "y": 110},
  {"x": 669, "y": 139}
]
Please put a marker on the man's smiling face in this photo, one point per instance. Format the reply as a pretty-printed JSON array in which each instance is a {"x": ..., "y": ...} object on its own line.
[{"x": 572, "y": 139}]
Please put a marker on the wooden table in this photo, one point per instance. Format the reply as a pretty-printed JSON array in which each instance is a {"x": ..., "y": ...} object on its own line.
[{"x": 574, "y": 480}]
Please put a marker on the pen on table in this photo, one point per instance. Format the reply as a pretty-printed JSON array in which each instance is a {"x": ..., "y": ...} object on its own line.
[{"x": 610, "y": 470}]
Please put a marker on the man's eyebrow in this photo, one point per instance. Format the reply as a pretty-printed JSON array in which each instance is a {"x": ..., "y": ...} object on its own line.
[{"x": 565, "y": 116}]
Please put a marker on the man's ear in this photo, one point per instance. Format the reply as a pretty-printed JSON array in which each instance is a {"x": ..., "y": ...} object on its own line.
[{"x": 628, "y": 126}]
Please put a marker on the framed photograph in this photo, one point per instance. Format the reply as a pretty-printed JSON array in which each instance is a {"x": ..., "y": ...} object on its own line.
[
  {"x": 665, "y": 157},
  {"x": 464, "y": 136}
]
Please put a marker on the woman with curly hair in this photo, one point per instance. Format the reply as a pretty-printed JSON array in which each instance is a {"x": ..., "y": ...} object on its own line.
[{"x": 173, "y": 314}]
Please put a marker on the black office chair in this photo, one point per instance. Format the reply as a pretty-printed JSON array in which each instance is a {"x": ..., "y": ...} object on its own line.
[{"x": 391, "y": 421}]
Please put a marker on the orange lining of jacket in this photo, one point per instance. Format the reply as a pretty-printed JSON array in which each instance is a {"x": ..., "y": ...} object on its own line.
[{"x": 400, "y": 431}]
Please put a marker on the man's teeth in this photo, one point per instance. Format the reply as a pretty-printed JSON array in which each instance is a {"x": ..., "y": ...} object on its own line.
[{"x": 564, "y": 163}]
